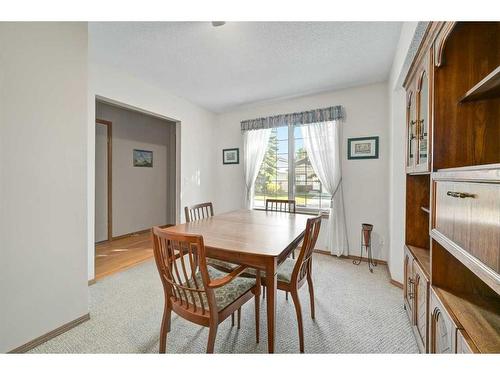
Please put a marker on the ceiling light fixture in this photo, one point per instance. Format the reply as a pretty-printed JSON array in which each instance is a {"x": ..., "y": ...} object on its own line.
[{"x": 218, "y": 23}]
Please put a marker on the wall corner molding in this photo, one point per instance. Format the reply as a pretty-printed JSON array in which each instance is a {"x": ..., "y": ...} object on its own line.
[{"x": 396, "y": 283}]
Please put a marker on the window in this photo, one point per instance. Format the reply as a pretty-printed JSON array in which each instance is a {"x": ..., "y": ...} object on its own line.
[{"x": 287, "y": 173}]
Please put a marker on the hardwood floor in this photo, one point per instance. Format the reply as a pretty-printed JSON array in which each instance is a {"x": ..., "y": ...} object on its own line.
[{"x": 120, "y": 254}]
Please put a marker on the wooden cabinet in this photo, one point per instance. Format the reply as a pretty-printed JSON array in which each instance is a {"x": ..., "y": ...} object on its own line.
[
  {"x": 420, "y": 314},
  {"x": 464, "y": 343},
  {"x": 452, "y": 219},
  {"x": 443, "y": 329},
  {"x": 419, "y": 118}
]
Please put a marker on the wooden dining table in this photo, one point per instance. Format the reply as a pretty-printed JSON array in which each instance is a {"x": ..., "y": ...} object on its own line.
[{"x": 259, "y": 239}]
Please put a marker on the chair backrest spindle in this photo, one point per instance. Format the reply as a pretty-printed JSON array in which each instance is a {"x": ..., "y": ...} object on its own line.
[
  {"x": 198, "y": 211},
  {"x": 178, "y": 259},
  {"x": 280, "y": 205},
  {"x": 303, "y": 263}
]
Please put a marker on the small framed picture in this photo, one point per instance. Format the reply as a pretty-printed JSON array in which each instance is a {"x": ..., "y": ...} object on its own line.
[
  {"x": 231, "y": 156},
  {"x": 362, "y": 148},
  {"x": 143, "y": 158}
]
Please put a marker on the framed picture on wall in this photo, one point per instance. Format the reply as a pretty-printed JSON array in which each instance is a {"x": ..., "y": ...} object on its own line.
[
  {"x": 231, "y": 156},
  {"x": 143, "y": 158},
  {"x": 362, "y": 148}
]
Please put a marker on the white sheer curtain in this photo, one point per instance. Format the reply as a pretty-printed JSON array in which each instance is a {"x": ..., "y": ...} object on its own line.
[
  {"x": 254, "y": 149},
  {"x": 322, "y": 143}
]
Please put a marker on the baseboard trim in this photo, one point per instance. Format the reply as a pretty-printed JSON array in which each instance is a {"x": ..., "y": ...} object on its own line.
[
  {"x": 378, "y": 261},
  {"x": 92, "y": 281},
  {"x": 396, "y": 283},
  {"x": 130, "y": 234},
  {"x": 50, "y": 335},
  {"x": 139, "y": 232},
  {"x": 353, "y": 257},
  {"x": 324, "y": 252}
]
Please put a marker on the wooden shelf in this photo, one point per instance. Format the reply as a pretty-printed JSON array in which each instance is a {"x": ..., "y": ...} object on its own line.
[
  {"x": 425, "y": 209},
  {"x": 423, "y": 257},
  {"x": 479, "y": 316},
  {"x": 484, "y": 273},
  {"x": 487, "y": 88}
]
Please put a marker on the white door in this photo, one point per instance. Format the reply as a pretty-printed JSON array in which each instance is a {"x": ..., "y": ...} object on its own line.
[{"x": 101, "y": 182}]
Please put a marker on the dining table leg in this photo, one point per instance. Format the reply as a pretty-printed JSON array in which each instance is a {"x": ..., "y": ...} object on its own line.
[{"x": 271, "y": 286}]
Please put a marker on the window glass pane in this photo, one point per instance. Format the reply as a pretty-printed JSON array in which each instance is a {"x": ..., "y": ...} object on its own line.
[
  {"x": 274, "y": 174},
  {"x": 282, "y": 133},
  {"x": 272, "y": 180},
  {"x": 297, "y": 132},
  {"x": 282, "y": 147},
  {"x": 309, "y": 191}
]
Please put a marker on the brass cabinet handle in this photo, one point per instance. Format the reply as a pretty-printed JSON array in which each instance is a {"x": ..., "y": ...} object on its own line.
[
  {"x": 457, "y": 194},
  {"x": 421, "y": 130},
  {"x": 411, "y": 294}
]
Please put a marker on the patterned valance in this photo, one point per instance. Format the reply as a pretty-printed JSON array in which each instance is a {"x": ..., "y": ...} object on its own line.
[{"x": 299, "y": 118}]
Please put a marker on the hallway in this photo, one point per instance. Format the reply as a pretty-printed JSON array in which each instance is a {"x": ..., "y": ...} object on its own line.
[{"x": 122, "y": 253}]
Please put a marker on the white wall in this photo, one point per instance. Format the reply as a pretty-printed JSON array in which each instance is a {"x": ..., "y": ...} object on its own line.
[
  {"x": 365, "y": 181},
  {"x": 140, "y": 195},
  {"x": 43, "y": 202},
  {"x": 397, "y": 184},
  {"x": 197, "y": 153}
]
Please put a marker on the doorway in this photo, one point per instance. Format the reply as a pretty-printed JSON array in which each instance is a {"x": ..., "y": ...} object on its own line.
[{"x": 136, "y": 184}]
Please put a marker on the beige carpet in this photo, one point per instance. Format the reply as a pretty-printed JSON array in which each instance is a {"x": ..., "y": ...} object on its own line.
[{"x": 356, "y": 312}]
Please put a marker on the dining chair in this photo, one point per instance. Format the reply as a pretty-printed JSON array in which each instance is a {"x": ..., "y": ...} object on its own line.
[
  {"x": 196, "y": 291},
  {"x": 198, "y": 211},
  {"x": 201, "y": 211},
  {"x": 292, "y": 274},
  {"x": 280, "y": 205}
]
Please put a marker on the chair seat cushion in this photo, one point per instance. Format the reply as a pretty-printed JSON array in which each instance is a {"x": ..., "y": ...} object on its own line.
[
  {"x": 224, "y": 295},
  {"x": 221, "y": 265},
  {"x": 285, "y": 270},
  {"x": 284, "y": 273}
]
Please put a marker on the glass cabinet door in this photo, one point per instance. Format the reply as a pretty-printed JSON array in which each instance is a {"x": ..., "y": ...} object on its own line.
[
  {"x": 411, "y": 118},
  {"x": 423, "y": 121}
]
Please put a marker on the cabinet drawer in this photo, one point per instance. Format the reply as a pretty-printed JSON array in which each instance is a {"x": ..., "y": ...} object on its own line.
[
  {"x": 443, "y": 329},
  {"x": 464, "y": 343},
  {"x": 468, "y": 214}
]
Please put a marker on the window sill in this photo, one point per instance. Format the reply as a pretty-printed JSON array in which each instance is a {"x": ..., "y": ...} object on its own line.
[{"x": 313, "y": 212}]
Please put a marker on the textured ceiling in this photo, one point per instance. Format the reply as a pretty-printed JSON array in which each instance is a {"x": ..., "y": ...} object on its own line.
[{"x": 220, "y": 68}]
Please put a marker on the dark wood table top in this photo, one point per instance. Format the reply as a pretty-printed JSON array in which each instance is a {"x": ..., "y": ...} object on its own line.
[{"x": 263, "y": 233}]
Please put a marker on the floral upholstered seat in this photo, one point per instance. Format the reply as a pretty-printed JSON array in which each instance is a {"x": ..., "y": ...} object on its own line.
[
  {"x": 224, "y": 295},
  {"x": 221, "y": 265},
  {"x": 284, "y": 273}
]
